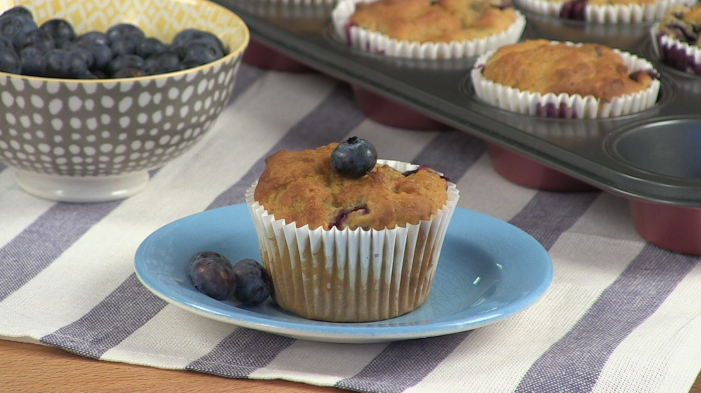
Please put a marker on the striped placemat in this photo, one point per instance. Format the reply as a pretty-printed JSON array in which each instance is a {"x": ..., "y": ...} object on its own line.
[{"x": 621, "y": 315}]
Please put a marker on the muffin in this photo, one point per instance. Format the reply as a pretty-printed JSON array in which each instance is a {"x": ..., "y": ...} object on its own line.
[
  {"x": 349, "y": 250},
  {"x": 566, "y": 80},
  {"x": 427, "y": 29},
  {"x": 676, "y": 38},
  {"x": 602, "y": 11}
]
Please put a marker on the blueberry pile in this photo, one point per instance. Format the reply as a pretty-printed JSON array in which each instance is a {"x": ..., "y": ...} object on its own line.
[
  {"x": 353, "y": 158},
  {"x": 246, "y": 281},
  {"x": 54, "y": 50}
]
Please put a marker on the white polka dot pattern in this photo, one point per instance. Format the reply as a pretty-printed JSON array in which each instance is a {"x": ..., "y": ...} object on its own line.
[{"x": 91, "y": 128}]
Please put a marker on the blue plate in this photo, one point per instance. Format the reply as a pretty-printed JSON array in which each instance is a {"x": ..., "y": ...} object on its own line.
[{"x": 488, "y": 270}]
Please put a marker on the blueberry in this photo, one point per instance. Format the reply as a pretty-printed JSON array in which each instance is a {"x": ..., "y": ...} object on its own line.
[
  {"x": 36, "y": 38},
  {"x": 212, "y": 274},
  {"x": 88, "y": 75},
  {"x": 124, "y": 61},
  {"x": 200, "y": 51},
  {"x": 128, "y": 72},
  {"x": 84, "y": 52},
  {"x": 31, "y": 61},
  {"x": 60, "y": 63},
  {"x": 124, "y": 45},
  {"x": 339, "y": 221},
  {"x": 574, "y": 10},
  {"x": 60, "y": 30},
  {"x": 149, "y": 46},
  {"x": 93, "y": 36},
  {"x": 101, "y": 54},
  {"x": 253, "y": 284},
  {"x": 10, "y": 61},
  {"x": 162, "y": 62},
  {"x": 122, "y": 30},
  {"x": 18, "y": 11},
  {"x": 183, "y": 37},
  {"x": 13, "y": 26},
  {"x": 5, "y": 43},
  {"x": 353, "y": 158},
  {"x": 99, "y": 74}
]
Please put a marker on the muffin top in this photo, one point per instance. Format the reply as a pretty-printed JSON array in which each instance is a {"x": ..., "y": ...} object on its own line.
[
  {"x": 302, "y": 187},
  {"x": 683, "y": 23},
  {"x": 545, "y": 67},
  {"x": 433, "y": 21}
]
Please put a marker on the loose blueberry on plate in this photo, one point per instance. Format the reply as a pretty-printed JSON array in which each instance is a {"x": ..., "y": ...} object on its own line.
[
  {"x": 253, "y": 284},
  {"x": 212, "y": 274},
  {"x": 354, "y": 158}
]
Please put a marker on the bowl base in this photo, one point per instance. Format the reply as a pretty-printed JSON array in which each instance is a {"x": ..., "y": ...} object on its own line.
[{"x": 82, "y": 189}]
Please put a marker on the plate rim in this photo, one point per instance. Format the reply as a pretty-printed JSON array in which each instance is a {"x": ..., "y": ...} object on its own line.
[{"x": 363, "y": 332}]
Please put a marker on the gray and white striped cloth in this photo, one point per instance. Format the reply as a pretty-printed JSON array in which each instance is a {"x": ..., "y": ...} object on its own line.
[{"x": 621, "y": 315}]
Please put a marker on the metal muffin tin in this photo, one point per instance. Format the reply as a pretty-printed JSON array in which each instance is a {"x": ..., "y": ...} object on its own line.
[{"x": 653, "y": 158}]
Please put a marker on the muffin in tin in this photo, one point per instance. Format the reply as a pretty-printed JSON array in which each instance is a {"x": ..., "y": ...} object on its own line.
[
  {"x": 565, "y": 80},
  {"x": 349, "y": 250},
  {"x": 602, "y": 11},
  {"x": 426, "y": 29},
  {"x": 676, "y": 38}
]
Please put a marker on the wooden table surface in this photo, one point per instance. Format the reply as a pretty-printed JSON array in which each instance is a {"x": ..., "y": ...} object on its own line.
[{"x": 37, "y": 368}]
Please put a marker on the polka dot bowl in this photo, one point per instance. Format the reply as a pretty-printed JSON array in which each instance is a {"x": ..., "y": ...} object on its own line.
[{"x": 96, "y": 140}]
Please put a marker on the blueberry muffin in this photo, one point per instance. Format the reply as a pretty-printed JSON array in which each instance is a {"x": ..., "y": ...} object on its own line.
[
  {"x": 426, "y": 28},
  {"x": 677, "y": 38},
  {"x": 552, "y": 73},
  {"x": 433, "y": 21},
  {"x": 349, "y": 250},
  {"x": 602, "y": 11},
  {"x": 302, "y": 187}
]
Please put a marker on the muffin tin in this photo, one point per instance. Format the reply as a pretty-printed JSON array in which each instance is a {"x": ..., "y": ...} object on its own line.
[{"x": 651, "y": 157}]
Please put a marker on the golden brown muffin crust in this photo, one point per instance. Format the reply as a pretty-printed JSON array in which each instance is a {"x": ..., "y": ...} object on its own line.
[
  {"x": 302, "y": 187},
  {"x": 545, "y": 67},
  {"x": 429, "y": 21}
]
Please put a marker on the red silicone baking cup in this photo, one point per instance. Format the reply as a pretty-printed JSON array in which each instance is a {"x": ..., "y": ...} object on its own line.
[
  {"x": 392, "y": 113},
  {"x": 675, "y": 228},
  {"x": 527, "y": 172},
  {"x": 261, "y": 55}
]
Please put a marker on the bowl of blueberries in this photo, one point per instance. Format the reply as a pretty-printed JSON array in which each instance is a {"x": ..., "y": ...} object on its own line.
[{"x": 95, "y": 94}]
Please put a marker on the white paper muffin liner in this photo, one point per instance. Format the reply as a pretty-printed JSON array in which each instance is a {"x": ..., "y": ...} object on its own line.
[
  {"x": 351, "y": 275},
  {"x": 564, "y": 105},
  {"x": 675, "y": 53},
  {"x": 607, "y": 13},
  {"x": 370, "y": 41}
]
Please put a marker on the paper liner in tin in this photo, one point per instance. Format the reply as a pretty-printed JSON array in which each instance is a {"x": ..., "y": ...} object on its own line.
[
  {"x": 605, "y": 13},
  {"x": 565, "y": 105},
  {"x": 675, "y": 53},
  {"x": 375, "y": 42},
  {"x": 351, "y": 275}
]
